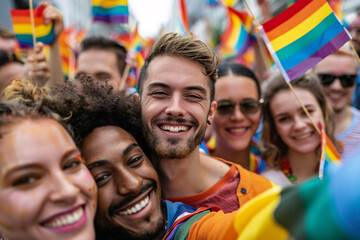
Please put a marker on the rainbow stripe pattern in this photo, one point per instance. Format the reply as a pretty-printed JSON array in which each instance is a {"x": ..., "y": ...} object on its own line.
[
  {"x": 237, "y": 38},
  {"x": 302, "y": 36},
  {"x": 212, "y": 3},
  {"x": 329, "y": 155},
  {"x": 184, "y": 19},
  {"x": 110, "y": 11},
  {"x": 23, "y": 30},
  {"x": 316, "y": 209}
]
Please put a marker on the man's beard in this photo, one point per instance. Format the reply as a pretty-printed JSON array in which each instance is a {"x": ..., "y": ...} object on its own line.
[
  {"x": 170, "y": 150},
  {"x": 107, "y": 231}
]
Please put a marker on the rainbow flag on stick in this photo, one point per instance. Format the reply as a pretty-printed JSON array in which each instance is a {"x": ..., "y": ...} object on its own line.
[
  {"x": 184, "y": 19},
  {"x": 302, "y": 36},
  {"x": 23, "y": 30},
  {"x": 110, "y": 11},
  {"x": 237, "y": 37},
  {"x": 329, "y": 155}
]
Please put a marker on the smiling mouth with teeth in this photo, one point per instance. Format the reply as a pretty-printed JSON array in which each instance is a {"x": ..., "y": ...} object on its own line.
[
  {"x": 175, "y": 129},
  {"x": 303, "y": 136},
  {"x": 65, "y": 219},
  {"x": 136, "y": 208}
]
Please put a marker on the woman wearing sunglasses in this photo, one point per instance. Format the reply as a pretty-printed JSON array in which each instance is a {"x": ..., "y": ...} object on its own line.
[
  {"x": 237, "y": 92},
  {"x": 291, "y": 141},
  {"x": 337, "y": 74},
  {"x": 46, "y": 191}
]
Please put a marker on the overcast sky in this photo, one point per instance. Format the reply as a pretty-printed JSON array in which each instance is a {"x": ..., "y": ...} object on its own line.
[{"x": 150, "y": 14}]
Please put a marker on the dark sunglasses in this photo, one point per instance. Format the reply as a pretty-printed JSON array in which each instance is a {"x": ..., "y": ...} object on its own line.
[
  {"x": 346, "y": 80},
  {"x": 247, "y": 107}
]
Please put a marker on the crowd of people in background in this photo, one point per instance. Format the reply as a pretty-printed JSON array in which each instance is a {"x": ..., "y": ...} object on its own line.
[{"x": 203, "y": 150}]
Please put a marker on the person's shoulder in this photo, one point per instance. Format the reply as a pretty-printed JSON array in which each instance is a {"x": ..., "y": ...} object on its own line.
[
  {"x": 276, "y": 176},
  {"x": 355, "y": 111},
  {"x": 216, "y": 163}
]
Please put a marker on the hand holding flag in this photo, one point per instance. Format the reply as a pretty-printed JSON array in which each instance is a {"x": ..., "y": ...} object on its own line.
[{"x": 23, "y": 29}]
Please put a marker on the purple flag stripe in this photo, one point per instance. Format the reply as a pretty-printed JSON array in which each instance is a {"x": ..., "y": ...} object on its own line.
[
  {"x": 112, "y": 19},
  {"x": 323, "y": 52}
]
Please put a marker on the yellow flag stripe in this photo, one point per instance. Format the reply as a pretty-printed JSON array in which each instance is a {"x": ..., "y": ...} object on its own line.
[{"x": 301, "y": 29}]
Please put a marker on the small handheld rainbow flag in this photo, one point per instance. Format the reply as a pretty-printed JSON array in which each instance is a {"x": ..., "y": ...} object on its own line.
[
  {"x": 23, "y": 30},
  {"x": 212, "y": 3},
  {"x": 237, "y": 37},
  {"x": 110, "y": 11},
  {"x": 184, "y": 19},
  {"x": 329, "y": 155},
  {"x": 302, "y": 36}
]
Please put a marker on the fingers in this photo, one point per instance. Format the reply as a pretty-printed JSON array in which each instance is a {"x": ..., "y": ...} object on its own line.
[
  {"x": 52, "y": 14},
  {"x": 36, "y": 65}
]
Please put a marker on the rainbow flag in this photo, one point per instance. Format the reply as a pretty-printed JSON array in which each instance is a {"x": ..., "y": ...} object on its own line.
[
  {"x": 302, "y": 36},
  {"x": 316, "y": 209},
  {"x": 329, "y": 155},
  {"x": 122, "y": 38},
  {"x": 336, "y": 6},
  {"x": 184, "y": 19},
  {"x": 228, "y": 3},
  {"x": 237, "y": 38},
  {"x": 110, "y": 11},
  {"x": 212, "y": 3},
  {"x": 23, "y": 30}
]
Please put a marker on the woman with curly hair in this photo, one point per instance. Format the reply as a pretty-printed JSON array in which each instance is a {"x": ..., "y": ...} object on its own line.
[
  {"x": 46, "y": 191},
  {"x": 291, "y": 142}
]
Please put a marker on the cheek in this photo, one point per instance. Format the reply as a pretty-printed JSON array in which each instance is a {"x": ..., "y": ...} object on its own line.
[
  {"x": 255, "y": 121},
  {"x": 149, "y": 108},
  {"x": 282, "y": 130},
  {"x": 219, "y": 123},
  {"x": 86, "y": 183},
  {"x": 18, "y": 209},
  {"x": 106, "y": 196}
]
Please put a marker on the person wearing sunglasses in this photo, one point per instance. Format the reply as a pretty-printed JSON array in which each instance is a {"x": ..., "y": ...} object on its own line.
[
  {"x": 355, "y": 34},
  {"x": 291, "y": 142},
  {"x": 237, "y": 118},
  {"x": 337, "y": 74}
]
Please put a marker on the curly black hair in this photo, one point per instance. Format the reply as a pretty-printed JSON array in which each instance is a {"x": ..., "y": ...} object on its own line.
[{"x": 90, "y": 104}]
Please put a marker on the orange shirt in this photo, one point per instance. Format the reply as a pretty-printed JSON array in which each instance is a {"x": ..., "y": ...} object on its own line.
[{"x": 249, "y": 185}]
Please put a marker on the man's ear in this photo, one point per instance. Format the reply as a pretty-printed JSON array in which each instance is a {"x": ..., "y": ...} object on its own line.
[{"x": 212, "y": 112}]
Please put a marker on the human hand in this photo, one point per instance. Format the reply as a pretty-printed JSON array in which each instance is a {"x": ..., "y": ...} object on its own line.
[
  {"x": 36, "y": 66},
  {"x": 52, "y": 14}
]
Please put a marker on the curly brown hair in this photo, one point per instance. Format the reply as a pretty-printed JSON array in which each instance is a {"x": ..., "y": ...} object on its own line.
[
  {"x": 275, "y": 148},
  {"x": 174, "y": 44},
  {"x": 94, "y": 104},
  {"x": 86, "y": 105},
  {"x": 23, "y": 91}
]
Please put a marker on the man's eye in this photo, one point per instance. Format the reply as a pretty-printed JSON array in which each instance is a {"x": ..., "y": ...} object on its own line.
[
  {"x": 194, "y": 97},
  {"x": 135, "y": 161},
  {"x": 159, "y": 94},
  {"x": 101, "y": 177}
]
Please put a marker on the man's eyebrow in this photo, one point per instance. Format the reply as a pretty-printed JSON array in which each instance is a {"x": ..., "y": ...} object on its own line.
[
  {"x": 97, "y": 164},
  {"x": 198, "y": 88},
  {"x": 129, "y": 148},
  {"x": 158, "y": 84}
]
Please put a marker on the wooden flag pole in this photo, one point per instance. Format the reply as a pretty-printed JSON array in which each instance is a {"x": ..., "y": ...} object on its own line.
[
  {"x": 125, "y": 75},
  {"x": 288, "y": 82},
  {"x": 32, "y": 23},
  {"x": 355, "y": 53},
  {"x": 259, "y": 43}
]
